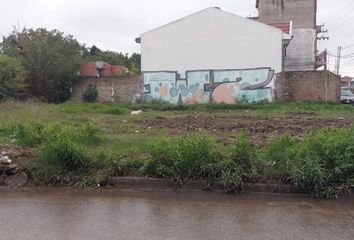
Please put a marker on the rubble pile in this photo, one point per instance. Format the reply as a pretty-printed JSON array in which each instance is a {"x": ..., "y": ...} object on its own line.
[{"x": 11, "y": 175}]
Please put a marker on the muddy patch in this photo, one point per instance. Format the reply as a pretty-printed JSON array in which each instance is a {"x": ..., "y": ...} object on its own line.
[
  {"x": 261, "y": 128},
  {"x": 12, "y": 174}
]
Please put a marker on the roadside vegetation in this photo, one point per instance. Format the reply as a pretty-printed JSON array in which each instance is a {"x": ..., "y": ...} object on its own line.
[
  {"x": 43, "y": 64},
  {"x": 308, "y": 145},
  {"x": 83, "y": 145}
]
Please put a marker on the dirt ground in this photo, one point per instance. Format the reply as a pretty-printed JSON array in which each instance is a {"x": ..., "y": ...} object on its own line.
[
  {"x": 17, "y": 154},
  {"x": 262, "y": 129},
  {"x": 12, "y": 173}
]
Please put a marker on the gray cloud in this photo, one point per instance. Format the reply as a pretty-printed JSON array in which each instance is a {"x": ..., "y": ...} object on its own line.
[{"x": 114, "y": 24}]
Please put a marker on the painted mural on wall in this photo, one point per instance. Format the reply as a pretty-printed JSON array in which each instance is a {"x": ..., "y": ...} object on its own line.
[{"x": 210, "y": 86}]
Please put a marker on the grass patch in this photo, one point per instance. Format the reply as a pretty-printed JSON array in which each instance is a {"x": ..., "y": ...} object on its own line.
[
  {"x": 189, "y": 157},
  {"x": 196, "y": 157},
  {"x": 323, "y": 162},
  {"x": 82, "y": 144},
  {"x": 239, "y": 168},
  {"x": 96, "y": 108},
  {"x": 30, "y": 134}
]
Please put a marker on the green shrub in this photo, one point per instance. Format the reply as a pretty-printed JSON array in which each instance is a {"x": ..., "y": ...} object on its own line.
[
  {"x": 29, "y": 134},
  {"x": 190, "y": 157},
  {"x": 90, "y": 94},
  {"x": 240, "y": 166},
  {"x": 195, "y": 157},
  {"x": 66, "y": 145},
  {"x": 88, "y": 135},
  {"x": 324, "y": 162},
  {"x": 277, "y": 161},
  {"x": 62, "y": 155},
  {"x": 117, "y": 164},
  {"x": 85, "y": 135},
  {"x": 64, "y": 149}
]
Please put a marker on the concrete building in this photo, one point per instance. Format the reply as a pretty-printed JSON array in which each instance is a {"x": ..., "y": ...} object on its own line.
[
  {"x": 302, "y": 50},
  {"x": 212, "y": 56},
  {"x": 347, "y": 83}
]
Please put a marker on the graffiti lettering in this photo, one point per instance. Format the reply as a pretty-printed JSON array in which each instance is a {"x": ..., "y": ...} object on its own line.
[{"x": 210, "y": 86}]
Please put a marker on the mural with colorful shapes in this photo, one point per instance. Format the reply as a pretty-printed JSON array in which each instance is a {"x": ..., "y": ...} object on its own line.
[
  {"x": 210, "y": 86},
  {"x": 240, "y": 86}
]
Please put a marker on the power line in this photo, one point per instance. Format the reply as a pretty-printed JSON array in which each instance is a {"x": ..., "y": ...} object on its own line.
[
  {"x": 350, "y": 63},
  {"x": 348, "y": 56},
  {"x": 338, "y": 19},
  {"x": 342, "y": 24},
  {"x": 335, "y": 14},
  {"x": 348, "y": 60},
  {"x": 351, "y": 55},
  {"x": 347, "y": 47}
]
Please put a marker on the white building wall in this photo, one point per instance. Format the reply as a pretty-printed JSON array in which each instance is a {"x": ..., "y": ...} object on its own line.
[{"x": 211, "y": 39}]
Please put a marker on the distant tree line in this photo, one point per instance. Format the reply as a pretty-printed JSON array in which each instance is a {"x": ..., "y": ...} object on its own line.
[{"x": 44, "y": 64}]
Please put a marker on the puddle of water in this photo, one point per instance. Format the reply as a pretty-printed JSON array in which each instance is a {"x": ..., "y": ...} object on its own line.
[{"x": 70, "y": 214}]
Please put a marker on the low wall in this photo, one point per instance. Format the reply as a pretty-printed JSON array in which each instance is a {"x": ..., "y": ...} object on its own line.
[
  {"x": 318, "y": 86},
  {"x": 110, "y": 89}
]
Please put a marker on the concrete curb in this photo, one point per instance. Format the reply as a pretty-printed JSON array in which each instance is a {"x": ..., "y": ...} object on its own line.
[{"x": 142, "y": 183}]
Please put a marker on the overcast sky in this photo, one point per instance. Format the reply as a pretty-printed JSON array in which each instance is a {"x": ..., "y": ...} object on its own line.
[{"x": 114, "y": 24}]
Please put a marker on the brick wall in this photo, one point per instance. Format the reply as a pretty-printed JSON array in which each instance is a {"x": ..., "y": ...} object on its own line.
[
  {"x": 91, "y": 70},
  {"x": 308, "y": 86},
  {"x": 122, "y": 89}
]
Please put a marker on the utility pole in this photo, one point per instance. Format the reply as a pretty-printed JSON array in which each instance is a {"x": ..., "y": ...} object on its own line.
[{"x": 339, "y": 52}]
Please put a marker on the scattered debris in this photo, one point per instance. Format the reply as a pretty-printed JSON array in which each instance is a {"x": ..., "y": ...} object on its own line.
[
  {"x": 136, "y": 112},
  {"x": 124, "y": 121},
  {"x": 5, "y": 160},
  {"x": 12, "y": 175}
]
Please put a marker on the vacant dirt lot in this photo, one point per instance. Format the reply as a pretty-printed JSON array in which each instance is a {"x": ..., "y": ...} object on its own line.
[{"x": 261, "y": 128}]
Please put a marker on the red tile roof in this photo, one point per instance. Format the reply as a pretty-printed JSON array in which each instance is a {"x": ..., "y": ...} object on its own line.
[
  {"x": 285, "y": 27},
  {"x": 106, "y": 70}
]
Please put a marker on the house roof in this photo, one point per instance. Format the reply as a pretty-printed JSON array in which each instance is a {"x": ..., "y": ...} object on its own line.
[
  {"x": 215, "y": 9},
  {"x": 347, "y": 79},
  {"x": 285, "y": 27}
]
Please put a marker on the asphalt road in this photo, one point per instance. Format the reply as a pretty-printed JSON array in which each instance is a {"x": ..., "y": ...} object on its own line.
[{"x": 57, "y": 214}]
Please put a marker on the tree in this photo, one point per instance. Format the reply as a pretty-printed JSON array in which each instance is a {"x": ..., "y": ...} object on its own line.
[
  {"x": 94, "y": 51},
  {"x": 135, "y": 63},
  {"x": 12, "y": 76},
  {"x": 115, "y": 58},
  {"x": 91, "y": 93},
  {"x": 51, "y": 59}
]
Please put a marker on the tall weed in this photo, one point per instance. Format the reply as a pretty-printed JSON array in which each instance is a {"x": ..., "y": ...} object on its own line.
[
  {"x": 325, "y": 162},
  {"x": 277, "y": 159},
  {"x": 239, "y": 167},
  {"x": 190, "y": 157},
  {"x": 29, "y": 134}
]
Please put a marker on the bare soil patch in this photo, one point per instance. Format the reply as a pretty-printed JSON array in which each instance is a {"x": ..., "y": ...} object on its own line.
[{"x": 262, "y": 129}]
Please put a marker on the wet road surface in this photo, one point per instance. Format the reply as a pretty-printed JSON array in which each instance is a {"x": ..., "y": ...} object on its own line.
[{"x": 57, "y": 214}]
